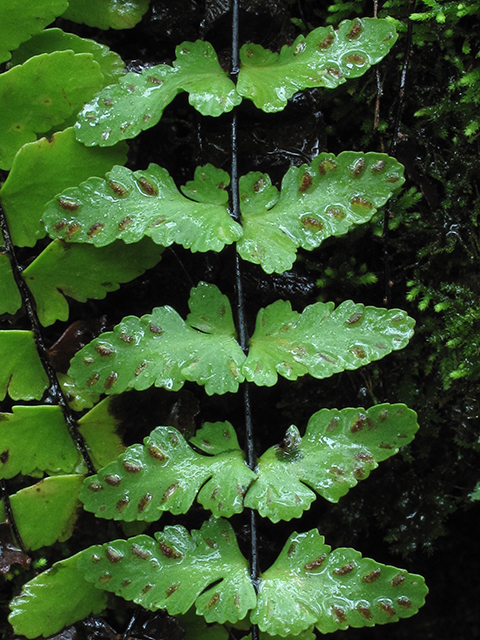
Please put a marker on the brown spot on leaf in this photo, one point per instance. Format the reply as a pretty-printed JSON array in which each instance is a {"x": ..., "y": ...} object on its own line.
[
  {"x": 113, "y": 555},
  {"x": 335, "y": 212},
  {"x": 4, "y": 456},
  {"x": 171, "y": 589},
  {"x": 93, "y": 380},
  {"x": 355, "y": 58},
  {"x": 144, "y": 502},
  {"x": 122, "y": 503},
  {"x": 110, "y": 381},
  {"x": 143, "y": 554},
  {"x": 315, "y": 564},
  {"x": 156, "y": 453},
  {"x": 326, "y": 165},
  {"x": 305, "y": 182},
  {"x": 105, "y": 578},
  {"x": 148, "y": 187},
  {"x": 385, "y": 445},
  {"x": 379, "y": 166},
  {"x": 155, "y": 80},
  {"x": 365, "y": 612},
  {"x": 335, "y": 72},
  {"x": 393, "y": 179},
  {"x": 95, "y": 487},
  {"x": 359, "y": 423},
  {"x": 210, "y": 543},
  {"x": 326, "y": 42},
  {"x": 291, "y": 549},
  {"x": 147, "y": 588},
  {"x": 125, "y": 583},
  {"x": 126, "y": 222},
  {"x": 359, "y": 352},
  {"x": 170, "y": 491},
  {"x": 107, "y": 102},
  {"x": 355, "y": 30},
  {"x": 94, "y": 229},
  {"x": 155, "y": 329},
  {"x": 309, "y": 222},
  {"x": 372, "y": 576},
  {"x": 118, "y": 188},
  {"x": 103, "y": 350},
  {"x": 59, "y": 226},
  {"x": 387, "y": 608},
  {"x": 360, "y": 201},
  {"x": 131, "y": 467},
  {"x": 354, "y": 319},
  {"x": 343, "y": 571},
  {"x": 404, "y": 602},
  {"x": 383, "y": 415},
  {"x": 113, "y": 480},
  {"x": 359, "y": 473},
  {"x": 397, "y": 580},
  {"x": 333, "y": 424},
  {"x": 363, "y": 456},
  {"x": 126, "y": 337},
  {"x": 141, "y": 367},
  {"x": 327, "y": 358},
  {"x": 68, "y": 205},
  {"x": 357, "y": 168},
  {"x": 213, "y": 600},
  {"x": 72, "y": 229},
  {"x": 168, "y": 551},
  {"x": 339, "y": 612}
]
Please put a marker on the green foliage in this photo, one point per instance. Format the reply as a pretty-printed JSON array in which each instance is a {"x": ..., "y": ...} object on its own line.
[{"x": 58, "y": 186}]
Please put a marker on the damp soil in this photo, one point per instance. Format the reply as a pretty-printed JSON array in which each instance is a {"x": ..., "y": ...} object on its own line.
[{"x": 397, "y": 516}]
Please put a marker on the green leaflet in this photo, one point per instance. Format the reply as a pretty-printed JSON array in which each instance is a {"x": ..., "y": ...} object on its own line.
[
  {"x": 10, "y": 299},
  {"x": 322, "y": 340},
  {"x": 21, "y": 374},
  {"x": 324, "y": 199},
  {"x": 165, "y": 474},
  {"x": 42, "y": 93},
  {"x": 175, "y": 570},
  {"x": 55, "y": 599},
  {"x": 325, "y": 58},
  {"x": 129, "y": 205},
  {"x": 80, "y": 271},
  {"x": 161, "y": 349},
  {"x": 43, "y": 168},
  {"x": 34, "y": 17},
  {"x": 106, "y": 14},
  {"x": 309, "y": 585},
  {"x": 35, "y": 439},
  {"x": 50, "y": 40},
  {"x": 137, "y": 102},
  {"x": 339, "y": 449},
  {"x": 197, "y": 629},
  {"x": 304, "y": 635},
  {"x": 47, "y": 511}
]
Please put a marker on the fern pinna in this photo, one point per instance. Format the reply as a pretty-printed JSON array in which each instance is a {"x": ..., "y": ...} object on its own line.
[{"x": 108, "y": 224}]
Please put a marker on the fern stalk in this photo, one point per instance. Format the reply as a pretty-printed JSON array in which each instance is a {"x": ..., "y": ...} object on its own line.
[{"x": 29, "y": 306}]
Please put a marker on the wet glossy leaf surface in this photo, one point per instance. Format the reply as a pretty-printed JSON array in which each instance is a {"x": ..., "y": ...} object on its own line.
[
  {"x": 176, "y": 570},
  {"x": 163, "y": 350},
  {"x": 34, "y": 17},
  {"x": 54, "y": 599},
  {"x": 137, "y": 102},
  {"x": 50, "y": 40},
  {"x": 47, "y": 511},
  {"x": 21, "y": 375},
  {"x": 130, "y": 205},
  {"x": 81, "y": 272},
  {"x": 165, "y": 474},
  {"x": 43, "y": 93},
  {"x": 309, "y": 585},
  {"x": 325, "y": 58},
  {"x": 106, "y": 14},
  {"x": 339, "y": 448},
  {"x": 326, "y": 198},
  {"x": 44, "y": 168},
  {"x": 322, "y": 340}
]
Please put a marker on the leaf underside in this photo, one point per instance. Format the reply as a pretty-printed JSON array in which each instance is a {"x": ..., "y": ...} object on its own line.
[
  {"x": 129, "y": 205},
  {"x": 339, "y": 449},
  {"x": 165, "y": 474},
  {"x": 316, "y": 201},
  {"x": 136, "y": 103},
  {"x": 325, "y": 58},
  {"x": 106, "y": 14},
  {"x": 161, "y": 349},
  {"x": 176, "y": 570}
]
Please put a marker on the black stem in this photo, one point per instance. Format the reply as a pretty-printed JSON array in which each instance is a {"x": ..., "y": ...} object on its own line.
[
  {"x": 9, "y": 516},
  {"x": 29, "y": 306},
  {"x": 393, "y": 153},
  {"x": 242, "y": 323}
]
